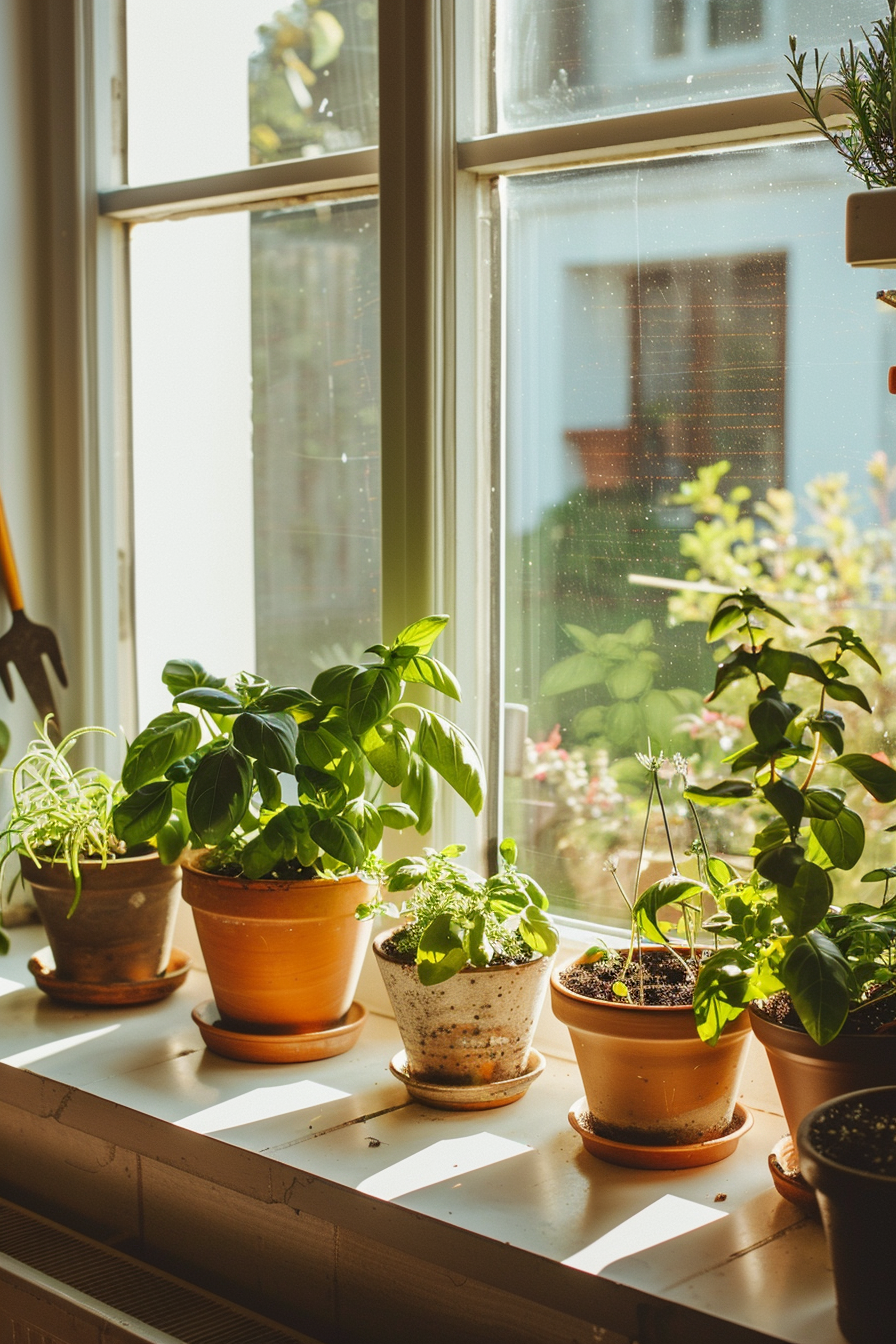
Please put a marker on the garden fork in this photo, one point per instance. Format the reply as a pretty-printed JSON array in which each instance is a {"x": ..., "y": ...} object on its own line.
[{"x": 25, "y": 643}]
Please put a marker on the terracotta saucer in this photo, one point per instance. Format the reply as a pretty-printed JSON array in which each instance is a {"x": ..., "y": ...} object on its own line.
[
  {"x": 784, "y": 1165},
  {"x": 468, "y": 1096},
  {"x": 672, "y": 1157},
  {"x": 266, "y": 1047},
  {"x": 121, "y": 994}
]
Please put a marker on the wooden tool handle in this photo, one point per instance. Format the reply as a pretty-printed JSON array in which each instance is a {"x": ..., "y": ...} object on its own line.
[{"x": 8, "y": 565}]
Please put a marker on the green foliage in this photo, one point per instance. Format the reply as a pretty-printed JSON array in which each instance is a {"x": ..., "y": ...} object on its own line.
[
  {"x": 300, "y": 68},
  {"x": 624, "y": 667},
  {"x": 863, "y": 83},
  {"x": 209, "y": 772},
  {"x": 787, "y": 931},
  {"x": 60, "y": 813},
  {"x": 456, "y": 919}
]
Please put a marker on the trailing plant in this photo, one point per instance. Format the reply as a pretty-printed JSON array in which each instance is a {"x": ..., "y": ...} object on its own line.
[
  {"x": 211, "y": 771},
  {"x": 863, "y": 82},
  {"x": 786, "y": 932},
  {"x": 677, "y": 889},
  {"x": 456, "y": 919},
  {"x": 60, "y": 813}
]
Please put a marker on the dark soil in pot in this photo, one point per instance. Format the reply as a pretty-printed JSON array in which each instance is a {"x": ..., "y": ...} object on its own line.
[
  {"x": 877, "y": 1014},
  {"x": 857, "y": 1134},
  {"x": 847, "y": 1153},
  {"x": 659, "y": 980}
]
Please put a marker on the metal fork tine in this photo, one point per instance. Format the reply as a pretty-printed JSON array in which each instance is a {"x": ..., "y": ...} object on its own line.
[
  {"x": 55, "y": 656},
  {"x": 7, "y": 679}
]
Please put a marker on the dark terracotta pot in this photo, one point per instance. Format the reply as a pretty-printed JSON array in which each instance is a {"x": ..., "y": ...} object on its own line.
[
  {"x": 807, "y": 1074},
  {"x": 648, "y": 1077},
  {"x": 858, "y": 1209},
  {"x": 475, "y": 1028},
  {"x": 122, "y": 928},
  {"x": 871, "y": 227},
  {"x": 285, "y": 955}
]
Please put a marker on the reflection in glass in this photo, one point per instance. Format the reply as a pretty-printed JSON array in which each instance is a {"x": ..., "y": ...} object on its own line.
[
  {"x": 691, "y": 368},
  {"x": 568, "y": 60},
  {"x": 255, "y": 348},
  {"x": 214, "y": 85}
]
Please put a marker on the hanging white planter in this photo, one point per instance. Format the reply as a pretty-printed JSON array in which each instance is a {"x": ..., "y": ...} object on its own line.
[{"x": 871, "y": 227}]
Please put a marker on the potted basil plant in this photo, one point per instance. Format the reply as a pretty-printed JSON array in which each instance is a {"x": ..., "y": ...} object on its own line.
[
  {"x": 818, "y": 978},
  {"x": 276, "y": 790},
  {"x": 108, "y": 904},
  {"x": 466, "y": 974}
]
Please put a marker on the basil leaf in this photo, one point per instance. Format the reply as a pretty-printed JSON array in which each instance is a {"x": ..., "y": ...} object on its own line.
[
  {"x": 218, "y": 794},
  {"x": 164, "y": 740}
]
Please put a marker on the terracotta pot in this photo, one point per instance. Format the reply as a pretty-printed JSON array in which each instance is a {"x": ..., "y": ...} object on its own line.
[
  {"x": 279, "y": 954},
  {"x": 858, "y": 1209},
  {"x": 871, "y": 227},
  {"x": 648, "y": 1077},
  {"x": 475, "y": 1028},
  {"x": 807, "y": 1074},
  {"x": 124, "y": 923}
]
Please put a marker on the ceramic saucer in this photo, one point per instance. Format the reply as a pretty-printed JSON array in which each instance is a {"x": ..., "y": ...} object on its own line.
[
  {"x": 671, "y": 1157},
  {"x": 263, "y": 1046},
  {"x": 468, "y": 1096},
  {"x": 120, "y": 994}
]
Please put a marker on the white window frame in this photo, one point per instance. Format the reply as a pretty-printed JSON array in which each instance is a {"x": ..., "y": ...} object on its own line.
[{"x": 442, "y": 381}]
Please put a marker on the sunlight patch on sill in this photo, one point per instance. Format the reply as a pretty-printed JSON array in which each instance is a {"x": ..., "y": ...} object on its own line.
[
  {"x": 26, "y": 1057},
  {"x": 664, "y": 1220},
  {"x": 262, "y": 1103},
  {"x": 9, "y": 986},
  {"x": 441, "y": 1161}
]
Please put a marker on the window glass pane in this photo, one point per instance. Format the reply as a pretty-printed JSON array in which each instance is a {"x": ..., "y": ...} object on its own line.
[
  {"x": 661, "y": 321},
  {"x": 256, "y": 441},
  {"x": 215, "y": 85},
  {"x": 568, "y": 60}
]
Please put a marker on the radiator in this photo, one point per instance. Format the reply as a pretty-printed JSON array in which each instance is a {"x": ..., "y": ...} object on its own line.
[{"x": 59, "y": 1287}]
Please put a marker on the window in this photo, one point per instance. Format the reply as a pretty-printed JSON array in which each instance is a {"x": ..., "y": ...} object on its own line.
[
  {"x": 601, "y": 332},
  {"x": 255, "y": 334}
]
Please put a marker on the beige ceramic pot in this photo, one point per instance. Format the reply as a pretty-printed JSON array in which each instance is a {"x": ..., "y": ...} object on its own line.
[
  {"x": 122, "y": 928},
  {"x": 475, "y": 1028},
  {"x": 648, "y": 1077},
  {"x": 279, "y": 954},
  {"x": 807, "y": 1075}
]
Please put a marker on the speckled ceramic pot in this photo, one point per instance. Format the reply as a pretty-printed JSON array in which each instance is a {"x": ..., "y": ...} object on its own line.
[{"x": 476, "y": 1027}]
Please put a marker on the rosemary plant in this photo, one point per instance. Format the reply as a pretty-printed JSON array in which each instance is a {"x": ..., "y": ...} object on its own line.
[
  {"x": 60, "y": 813},
  {"x": 863, "y": 82}
]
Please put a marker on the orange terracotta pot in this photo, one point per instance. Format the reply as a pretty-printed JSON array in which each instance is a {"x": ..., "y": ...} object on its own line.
[
  {"x": 807, "y": 1075},
  {"x": 648, "y": 1077},
  {"x": 285, "y": 955},
  {"x": 122, "y": 928}
]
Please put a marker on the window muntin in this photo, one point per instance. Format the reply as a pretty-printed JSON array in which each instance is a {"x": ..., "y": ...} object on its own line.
[
  {"x": 255, "y": 441},
  {"x": 216, "y": 85},
  {"x": 646, "y": 54},
  {"x": 674, "y": 322}
]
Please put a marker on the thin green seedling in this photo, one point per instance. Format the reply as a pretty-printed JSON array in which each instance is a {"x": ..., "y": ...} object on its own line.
[{"x": 60, "y": 813}]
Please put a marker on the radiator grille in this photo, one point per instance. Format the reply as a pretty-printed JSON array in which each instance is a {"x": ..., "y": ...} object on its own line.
[{"x": 185, "y": 1313}]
